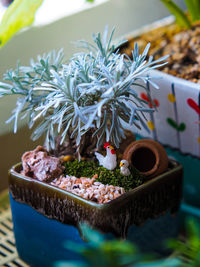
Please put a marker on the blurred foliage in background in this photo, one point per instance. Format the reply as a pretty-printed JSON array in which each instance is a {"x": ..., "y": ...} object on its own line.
[
  {"x": 99, "y": 252},
  {"x": 188, "y": 250},
  {"x": 19, "y": 14},
  {"x": 184, "y": 19}
]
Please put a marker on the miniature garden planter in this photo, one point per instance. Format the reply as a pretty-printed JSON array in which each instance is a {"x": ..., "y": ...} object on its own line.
[
  {"x": 45, "y": 216},
  {"x": 76, "y": 125},
  {"x": 176, "y": 123}
]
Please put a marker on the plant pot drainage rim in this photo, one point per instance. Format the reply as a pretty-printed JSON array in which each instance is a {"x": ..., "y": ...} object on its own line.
[
  {"x": 133, "y": 207},
  {"x": 173, "y": 166}
]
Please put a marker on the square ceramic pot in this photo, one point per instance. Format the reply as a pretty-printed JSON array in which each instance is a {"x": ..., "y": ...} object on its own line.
[{"x": 45, "y": 216}]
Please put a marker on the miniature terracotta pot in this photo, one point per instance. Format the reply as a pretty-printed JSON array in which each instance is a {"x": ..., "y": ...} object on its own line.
[{"x": 148, "y": 156}]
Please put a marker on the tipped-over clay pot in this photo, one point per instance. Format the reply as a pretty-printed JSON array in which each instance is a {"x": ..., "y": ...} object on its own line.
[{"x": 148, "y": 156}]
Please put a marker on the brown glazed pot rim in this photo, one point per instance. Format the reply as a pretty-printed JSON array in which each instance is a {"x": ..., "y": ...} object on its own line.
[{"x": 16, "y": 177}]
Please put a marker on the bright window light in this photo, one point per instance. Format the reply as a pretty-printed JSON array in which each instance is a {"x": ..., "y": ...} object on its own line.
[{"x": 52, "y": 10}]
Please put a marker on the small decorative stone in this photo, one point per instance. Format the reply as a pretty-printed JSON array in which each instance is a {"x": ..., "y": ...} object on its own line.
[
  {"x": 88, "y": 188},
  {"x": 66, "y": 158},
  {"x": 39, "y": 165}
]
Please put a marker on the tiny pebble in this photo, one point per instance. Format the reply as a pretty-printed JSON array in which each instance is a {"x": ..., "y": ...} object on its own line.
[
  {"x": 97, "y": 183},
  {"x": 75, "y": 186}
]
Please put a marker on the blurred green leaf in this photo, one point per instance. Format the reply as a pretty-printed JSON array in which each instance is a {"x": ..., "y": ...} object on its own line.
[
  {"x": 189, "y": 249},
  {"x": 70, "y": 264},
  {"x": 70, "y": 245},
  {"x": 192, "y": 6},
  {"x": 119, "y": 246},
  {"x": 19, "y": 14},
  {"x": 171, "y": 262},
  {"x": 100, "y": 252},
  {"x": 179, "y": 14},
  {"x": 197, "y": 4},
  {"x": 91, "y": 235}
]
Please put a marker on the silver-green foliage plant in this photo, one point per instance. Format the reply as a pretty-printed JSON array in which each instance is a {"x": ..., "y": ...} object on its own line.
[{"x": 96, "y": 91}]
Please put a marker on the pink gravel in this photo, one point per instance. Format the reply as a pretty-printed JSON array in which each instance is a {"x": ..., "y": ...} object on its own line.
[{"x": 89, "y": 188}]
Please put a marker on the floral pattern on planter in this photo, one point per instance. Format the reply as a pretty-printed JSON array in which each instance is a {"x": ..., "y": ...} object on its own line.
[{"x": 176, "y": 121}]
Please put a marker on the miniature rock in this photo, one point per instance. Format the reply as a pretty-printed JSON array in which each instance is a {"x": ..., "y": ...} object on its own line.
[{"x": 39, "y": 165}]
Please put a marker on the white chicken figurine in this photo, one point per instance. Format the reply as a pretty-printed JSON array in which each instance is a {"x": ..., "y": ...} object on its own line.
[
  {"x": 124, "y": 167},
  {"x": 110, "y": 160}
]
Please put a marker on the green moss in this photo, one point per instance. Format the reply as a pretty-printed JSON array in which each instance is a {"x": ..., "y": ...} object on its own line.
[
  {"x": 90, "y": 168},
  {"x": 80, "y": 168}
]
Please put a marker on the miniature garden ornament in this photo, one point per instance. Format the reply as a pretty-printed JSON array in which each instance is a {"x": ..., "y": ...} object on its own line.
[
  {"x": 110, "y": 160},
  {"x": 78, "y": 106},
  {"x": 148, "y": 156},
  {"x": 124, "y": 167}
]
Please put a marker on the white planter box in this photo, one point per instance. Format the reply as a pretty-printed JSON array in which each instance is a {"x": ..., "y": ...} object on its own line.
[{"x": 176, "y": 122}]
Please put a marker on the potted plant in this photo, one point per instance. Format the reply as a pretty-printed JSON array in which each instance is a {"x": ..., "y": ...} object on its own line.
[
  {"x": 80, "y": 105},
  {"x": 177, "y": 122}
]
